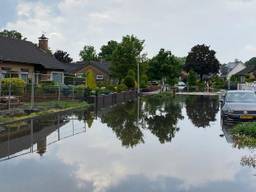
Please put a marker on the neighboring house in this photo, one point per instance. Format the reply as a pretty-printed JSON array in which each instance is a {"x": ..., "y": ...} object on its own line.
[
  {"x": 99, "y": 68},
  {"x": 250, "y": 71},
  {"x": 232, "y": 68},
  {"x": 20, "y": 58}
]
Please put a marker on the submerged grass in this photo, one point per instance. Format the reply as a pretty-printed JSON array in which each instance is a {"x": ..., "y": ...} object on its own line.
[
  {"x": 245, "y": 135},
  {"x": 45, "y": 108}
]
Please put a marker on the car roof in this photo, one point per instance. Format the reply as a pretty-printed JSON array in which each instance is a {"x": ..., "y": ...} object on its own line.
[{"x": 241, "y": 91}]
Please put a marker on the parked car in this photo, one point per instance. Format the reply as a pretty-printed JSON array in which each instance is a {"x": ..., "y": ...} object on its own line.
[
  {"x": 180, "y": 86},
  {"x": 238, "y": 106}
]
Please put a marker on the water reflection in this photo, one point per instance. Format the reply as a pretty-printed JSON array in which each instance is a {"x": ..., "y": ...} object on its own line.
[
  {"x": 146, "y": 145},
  {"x": 202, "y": 110}
]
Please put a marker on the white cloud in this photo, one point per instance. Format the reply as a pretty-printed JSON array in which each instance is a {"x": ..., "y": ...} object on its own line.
[{"x": 226, "y": 25}]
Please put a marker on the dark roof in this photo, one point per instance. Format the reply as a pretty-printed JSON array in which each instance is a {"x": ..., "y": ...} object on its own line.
[
  {"x": 247, "y": 70},
  {"x": 101, "y": 65},
  {"x": 22, "y": 51}
]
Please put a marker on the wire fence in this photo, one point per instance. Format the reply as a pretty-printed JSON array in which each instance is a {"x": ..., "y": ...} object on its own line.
[{"x": 32, "y": 88}]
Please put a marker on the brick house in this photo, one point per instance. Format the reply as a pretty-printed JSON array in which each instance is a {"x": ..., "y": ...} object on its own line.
[
  {"x": 100, "y": 69},
  {"x": 24, "y": 59}
]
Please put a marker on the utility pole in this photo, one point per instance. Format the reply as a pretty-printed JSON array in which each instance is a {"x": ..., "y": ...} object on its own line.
[{"x": 138, "y": 77}]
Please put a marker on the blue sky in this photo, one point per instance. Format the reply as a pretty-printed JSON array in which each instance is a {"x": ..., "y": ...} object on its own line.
[{"x": 228, "y": 26}]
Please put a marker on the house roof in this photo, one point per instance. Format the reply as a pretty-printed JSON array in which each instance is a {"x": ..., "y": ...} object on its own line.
[
  {"x": 248, "y": 69},
  {"x": 21, "y": 51},
  {"x": 74, "y": 67}
]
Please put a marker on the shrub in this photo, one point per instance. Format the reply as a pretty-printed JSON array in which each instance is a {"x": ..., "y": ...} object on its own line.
[
  {"x": 129, "y": 82},
  {"x": 17, "y": 86},
  {"x": 192, "y": 78},
  {"x": 90, "y": 80},
  {"x": 144, "y": 81},
  {"x": 122, "y": 87},
  {"x": 245, "y": 129},
  {"x": 218, "y": 82}
]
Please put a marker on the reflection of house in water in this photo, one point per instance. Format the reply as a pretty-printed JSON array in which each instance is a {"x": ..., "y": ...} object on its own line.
[{"x": 34, "y": 135}]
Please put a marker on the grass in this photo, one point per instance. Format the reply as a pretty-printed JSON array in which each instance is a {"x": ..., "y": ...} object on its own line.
[
  {"x": 44, "y": 109},
  {"x": 244, "y": 135}
]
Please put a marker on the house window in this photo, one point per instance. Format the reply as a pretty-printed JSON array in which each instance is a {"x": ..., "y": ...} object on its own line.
[
  {"x": 99, "y": 77},
  {"x": 24, "y": 76},
  {"x": 57, "y": 77}
]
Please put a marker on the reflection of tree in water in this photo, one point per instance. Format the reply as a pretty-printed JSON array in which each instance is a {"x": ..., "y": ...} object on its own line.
[
  {"x": 202, "y": 110},
  {"x": 123, "y": 121},
  {"x": 249, "y": 161},
  {"x": 162, "y": 114}
]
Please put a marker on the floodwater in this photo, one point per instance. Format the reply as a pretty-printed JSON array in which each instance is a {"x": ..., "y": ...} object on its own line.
[{"x": 155, "y": 144}]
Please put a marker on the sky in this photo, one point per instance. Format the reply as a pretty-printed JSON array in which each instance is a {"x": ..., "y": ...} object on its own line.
[{"x": 228, "y": 26}]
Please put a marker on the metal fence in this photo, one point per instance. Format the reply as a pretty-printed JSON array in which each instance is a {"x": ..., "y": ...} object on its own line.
[{"x": 39, "y": 88}]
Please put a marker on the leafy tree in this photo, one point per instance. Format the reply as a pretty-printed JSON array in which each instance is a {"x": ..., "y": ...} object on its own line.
[
  {"x": 192, "y": 78},
  {"x": 90, "y": 80},
  {"x": 88, "y": 53},
  {"x": 62, "y": 56},
  {"x": 252, "y": 61},
  {"x": 202, "y": 60},
  {"x": 165, "y": 67},
  {"x": 108, "y": 50},
  {"x": 12, "y": 34},
  {"x": 126, "y": 56},
  {"x": 181, "y": 60},
  {"x": 129, "y": 80}
]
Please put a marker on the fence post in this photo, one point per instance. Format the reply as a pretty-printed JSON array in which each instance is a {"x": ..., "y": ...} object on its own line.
[
  {"x": 59, "y": 93},
  {"x": 9, "y": 96},
  {"x": 32, "y": 91}
]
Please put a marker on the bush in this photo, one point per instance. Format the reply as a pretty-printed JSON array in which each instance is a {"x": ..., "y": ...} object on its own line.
[
  {"x": 129, "y": 82},
  {"x": 218, "y": 82},
  {"x": 17, "y": 86},
  {"x": 90, "y": 80},
  {"x": 192, "y": 78},
  {"x": 245, "y": 129},
  {"x": 122, "y": 87}
]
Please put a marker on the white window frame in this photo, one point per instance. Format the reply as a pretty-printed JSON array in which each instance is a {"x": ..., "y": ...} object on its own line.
[
  {"x": 100, "y": 77},
  {"x": 24, "y": 73},
  {"x": 58, "y": 72}
]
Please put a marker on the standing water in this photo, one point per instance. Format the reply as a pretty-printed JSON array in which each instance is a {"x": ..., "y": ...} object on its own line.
[{"x": 154, "y": 144}]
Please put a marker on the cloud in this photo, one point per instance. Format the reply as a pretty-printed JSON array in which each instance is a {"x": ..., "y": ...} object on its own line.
[{"x": 226, "y": 25}]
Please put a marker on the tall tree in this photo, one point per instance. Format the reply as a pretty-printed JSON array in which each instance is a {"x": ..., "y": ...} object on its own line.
[
  {"x": 202, "y": 60},
  {"x": 252, "y": 61},
  {"x": 165, "y": 67},
  {"x": 126, "y": 56},
  {"x": 88, "y": 53},
  {"x": 62, "y": 56},
  {"x": 12, "y": 34},
  {"x": 107, "y": 50}
]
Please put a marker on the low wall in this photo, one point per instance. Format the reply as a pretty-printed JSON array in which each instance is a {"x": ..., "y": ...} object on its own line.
[{"x": 112, "y": 99}]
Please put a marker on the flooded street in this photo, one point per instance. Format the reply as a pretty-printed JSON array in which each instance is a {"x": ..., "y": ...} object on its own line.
[{"x": 154, "y": 144}]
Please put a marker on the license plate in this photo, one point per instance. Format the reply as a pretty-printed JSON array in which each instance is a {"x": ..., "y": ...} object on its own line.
[{"x": 246, "y": 117}]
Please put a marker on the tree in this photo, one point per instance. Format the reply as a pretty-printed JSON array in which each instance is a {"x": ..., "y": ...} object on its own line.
[
  {"x": 90, "y": 80},
  {"x": 126, "y": 56},
  {"x": 192, "y": 78},
  {"x": 88, "y": 53},
  {"x": 165, "y": 67},
  {"x": 12, "y": 34},
  {"x": 129, "y": 80},
  {"x": 62, "y": 56},
  {"x": 252, "y": 61},
  {"x": 202, "y": 60},
  {"x": 108, "y": 50}
]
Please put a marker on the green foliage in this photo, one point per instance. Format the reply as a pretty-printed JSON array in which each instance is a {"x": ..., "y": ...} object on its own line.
[
  {"x": 192, "y": 78},
  {"x": 218, "y": 82},
  {"x": 252, "y": 61},
  {"x": 16, "y": 85},
  {"x": 121, "y": 87},
  {"x": 108, "y": 50},
  {"x": 12, "y": 34},
  {"x": 245, "y": 129},
  {"x": 62, "y": 56},
  {"x": 126, "y": 56},
  {"x": 88, "y": 54},
  {"x": 143, "y": 81},
  {"x": 129, "y": 80},
  {"x": 202, "y": 60},
  {"x": 164, "y": 66},
  {"x": 90, "y": 80}
]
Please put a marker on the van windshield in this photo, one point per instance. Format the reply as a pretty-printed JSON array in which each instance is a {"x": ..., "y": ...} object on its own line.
[{"x": 241, "y": 97}]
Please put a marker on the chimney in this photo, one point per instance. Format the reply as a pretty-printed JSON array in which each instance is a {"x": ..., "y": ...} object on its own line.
[{"x": 43, "y": 43}]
